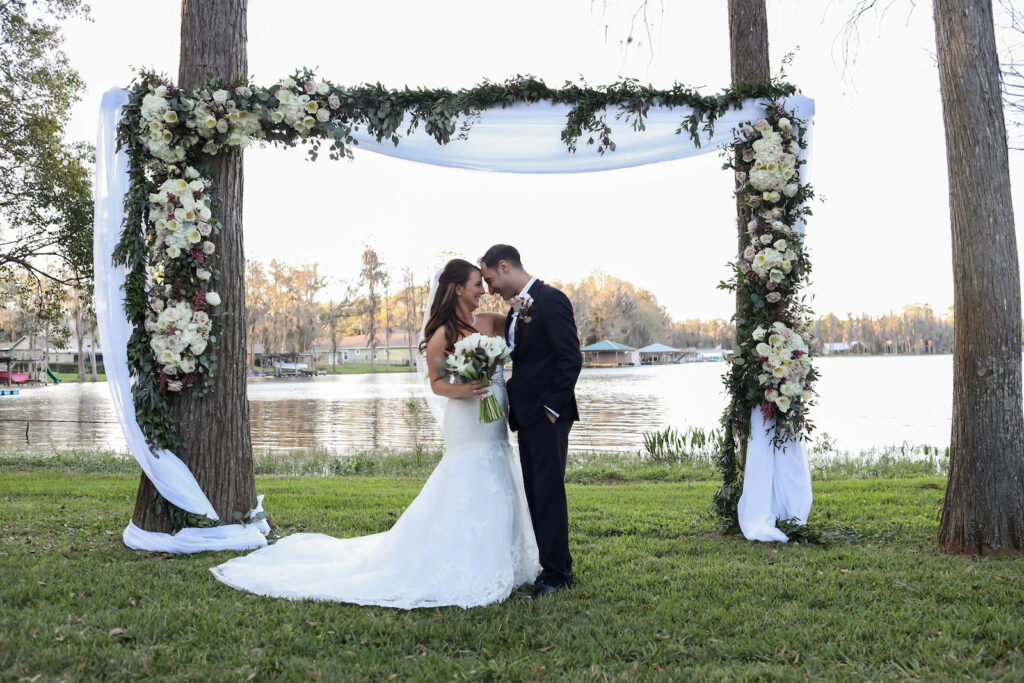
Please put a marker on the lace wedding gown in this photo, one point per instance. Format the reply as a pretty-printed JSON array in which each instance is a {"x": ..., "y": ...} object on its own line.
[{"x": 465, "y": 540}]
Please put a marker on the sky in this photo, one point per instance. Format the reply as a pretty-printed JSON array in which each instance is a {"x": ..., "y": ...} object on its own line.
[{"x": 879, "y": 237}]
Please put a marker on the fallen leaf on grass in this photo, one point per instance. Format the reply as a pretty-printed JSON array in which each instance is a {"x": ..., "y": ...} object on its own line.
[
  {"x": 796, "y": 660},
  {"x": 970, "y": 568},
  {"x": 545, "y": 649},
  {"x": 636, "y": 664},
  {"x": 844, "y": 571},
  {"x": 657, "y": 667},
  {"x": 392, "y": 677},
  {"x": 115, "y": 632},
  {"x": 313, "y": 674}
]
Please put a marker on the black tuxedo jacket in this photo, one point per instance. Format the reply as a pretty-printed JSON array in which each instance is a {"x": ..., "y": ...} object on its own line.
[{"x": 546, "y": 360}]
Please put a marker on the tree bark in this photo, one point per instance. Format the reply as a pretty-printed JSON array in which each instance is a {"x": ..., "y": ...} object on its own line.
[
  {"x": 748, "y": 56},
  {"x": 215, "y": 428},
  {"x": 984, "y": 505}
]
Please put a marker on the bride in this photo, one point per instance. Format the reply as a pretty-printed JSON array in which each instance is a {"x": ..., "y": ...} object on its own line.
[{"x": 466, "y": 539}]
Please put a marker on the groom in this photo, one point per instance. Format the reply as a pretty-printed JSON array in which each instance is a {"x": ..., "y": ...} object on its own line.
[{"x": 546, "y": 361}]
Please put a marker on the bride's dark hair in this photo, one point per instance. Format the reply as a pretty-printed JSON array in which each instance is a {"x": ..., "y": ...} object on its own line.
[{"x": 444, "y": 310}]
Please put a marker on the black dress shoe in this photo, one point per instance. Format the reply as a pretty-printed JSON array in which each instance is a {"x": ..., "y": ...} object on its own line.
[
  {"x": 547, "y": 587},
  {"x": 541, "y": 590}
]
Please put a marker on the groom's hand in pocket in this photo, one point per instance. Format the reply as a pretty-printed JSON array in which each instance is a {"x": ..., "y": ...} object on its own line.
[{"x": 550, "y": 417}]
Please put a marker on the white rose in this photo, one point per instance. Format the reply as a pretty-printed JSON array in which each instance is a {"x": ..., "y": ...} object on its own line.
[
  {"x": 220, "y": 96},
  {"x": 790, "y": 189},
  {"x": 187, "y": 365},
  {"x": 759, "y": 333},
  {"x": 333, "y": 102},
  {"x": 204, "y": 213},
  {"x": 222, "y": 126},
  {"x": 203, "y": 273},
  {"x": 197, "y": 346},
  {"x": 208, "y": 247},
  {"x": 805, "y": 396},
  {"x": 763, "y": 379},
  {"x": 160, "y": 91},
  {"x": 780, "y": 245},
  {"x": 763, "y": 349},
  {"x": 175, "y": 386},
  {"x": 323, "y": 115},
  {"x": 213, "y": 298},
  {"x": 173, "y": 252}
]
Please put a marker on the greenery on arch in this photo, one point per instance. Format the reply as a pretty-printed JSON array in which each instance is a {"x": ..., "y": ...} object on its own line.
[{"x": 169, "y": 239}]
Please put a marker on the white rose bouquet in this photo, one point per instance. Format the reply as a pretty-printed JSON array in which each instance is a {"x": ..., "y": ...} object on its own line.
[{"x": 477, "y": 357}]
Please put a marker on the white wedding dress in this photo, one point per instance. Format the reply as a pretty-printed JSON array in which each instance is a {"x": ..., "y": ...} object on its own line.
[{"x": 465, "y": 540}]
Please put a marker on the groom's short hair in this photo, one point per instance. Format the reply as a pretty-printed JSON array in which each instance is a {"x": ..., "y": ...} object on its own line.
[{"x": 501, "y": 252}]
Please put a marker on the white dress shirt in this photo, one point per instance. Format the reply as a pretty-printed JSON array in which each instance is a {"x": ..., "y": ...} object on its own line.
[{"x": 515, "y": 315}]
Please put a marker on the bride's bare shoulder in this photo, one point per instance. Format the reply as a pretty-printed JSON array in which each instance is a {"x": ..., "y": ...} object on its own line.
[{"x": 492, "y": 324}]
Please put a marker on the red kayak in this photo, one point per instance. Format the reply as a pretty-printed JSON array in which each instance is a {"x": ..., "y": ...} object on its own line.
[{"x": 17, "y": 377}]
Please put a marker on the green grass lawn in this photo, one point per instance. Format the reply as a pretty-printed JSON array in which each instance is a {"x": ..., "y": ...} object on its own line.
[
  {"x": 660, "y": 594},
  {"x": 73, "y": 376},
  {"x": 360, "y": 368}
]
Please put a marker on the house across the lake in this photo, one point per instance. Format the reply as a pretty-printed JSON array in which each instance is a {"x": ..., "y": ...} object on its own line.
[
  {"x": 660, "y": 354},
  {"x": 609, "y": 354},
  {"x": 356, "y": 350}
]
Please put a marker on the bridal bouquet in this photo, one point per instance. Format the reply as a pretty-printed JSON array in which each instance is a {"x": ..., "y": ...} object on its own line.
[{"x": 477, "y": 357}]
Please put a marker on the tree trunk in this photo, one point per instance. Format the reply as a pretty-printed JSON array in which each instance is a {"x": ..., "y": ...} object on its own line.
[
  {"x": 215, "y": 427},
  {"x": 748, "y": 56},
  {"x": 80, "y": 338},
  {"x": 92, "y": 353},
  {"x": 984, "y": 505}
]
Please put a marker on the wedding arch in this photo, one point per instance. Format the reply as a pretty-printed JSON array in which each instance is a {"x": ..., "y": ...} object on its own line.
[{"x": 156, "y": 230}]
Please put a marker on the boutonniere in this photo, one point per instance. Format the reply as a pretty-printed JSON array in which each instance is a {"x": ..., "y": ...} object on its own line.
[{"x": 522, "y": 305}]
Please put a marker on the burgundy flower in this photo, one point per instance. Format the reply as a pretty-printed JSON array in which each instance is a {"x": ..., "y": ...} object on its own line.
[
  {"x": 798, "y": 353},
  {"x": 197, "y": 194},
  {"x": 199, "y": 302},
  {"x": 171, "y": 330},
  {"x": 189, "y": 379},
  {"x": 176, "y": 291},
  {"x": 171, "y": 197},
  {"x": 197, "y": 254},
  {"x": 767, "y": 410},
  {"x": 162, "y": 381}
]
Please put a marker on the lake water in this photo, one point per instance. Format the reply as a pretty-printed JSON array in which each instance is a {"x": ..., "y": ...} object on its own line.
[{"x": 864, "y": 402}]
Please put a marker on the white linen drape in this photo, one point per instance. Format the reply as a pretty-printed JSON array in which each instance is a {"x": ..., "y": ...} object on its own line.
[
  {"x": 169, "y": 474},
  {"x": 525, "y": 138},
  {"x": 521, "y": 138},
  {"x": 776, "y": 483}
]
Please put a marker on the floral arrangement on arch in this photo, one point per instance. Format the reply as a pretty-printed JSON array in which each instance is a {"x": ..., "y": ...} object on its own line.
[
  {"x": 169, "y": 242},
  {"x": 772, "y": 360},
  {"x": 771, "y": 365}
]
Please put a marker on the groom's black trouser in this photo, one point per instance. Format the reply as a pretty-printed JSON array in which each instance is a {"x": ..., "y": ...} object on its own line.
[{"x": 543, "y": 448}]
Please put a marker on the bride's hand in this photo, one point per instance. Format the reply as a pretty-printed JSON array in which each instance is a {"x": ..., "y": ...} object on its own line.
[{"x": 472, "y": 389}]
